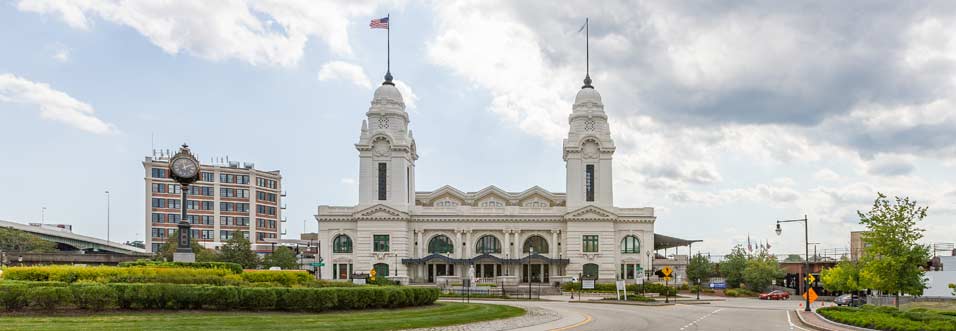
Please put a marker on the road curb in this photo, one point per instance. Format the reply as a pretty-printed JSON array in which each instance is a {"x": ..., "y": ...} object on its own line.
[
  {"x": 624, "y": 303},
  {"x": 851, "y": 327},
  {"x": 802, "y": 321}
]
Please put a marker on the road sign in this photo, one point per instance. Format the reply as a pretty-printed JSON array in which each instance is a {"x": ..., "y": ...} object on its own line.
[
  {"x": 318, "y": 264},
  {"x": 587, "y": 284},
  {"x": 667, "y": 271},
  {"x": 813, "y": 295},
  {"x": 371, "y": 275},
  {"x": 667, "y": 278},
  {"x": 810, "y": 278}
]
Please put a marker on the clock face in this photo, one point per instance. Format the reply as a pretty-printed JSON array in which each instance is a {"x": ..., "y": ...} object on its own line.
[{"x": 185, "y": 168}]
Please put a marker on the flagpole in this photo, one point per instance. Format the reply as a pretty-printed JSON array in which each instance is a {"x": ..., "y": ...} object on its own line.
[
  {"x": 587, "y": 46},
  {"x": 388, "y": 51}
]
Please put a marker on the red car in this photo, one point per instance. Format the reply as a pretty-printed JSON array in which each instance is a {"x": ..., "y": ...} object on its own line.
[{"x": 775, "y": 295}]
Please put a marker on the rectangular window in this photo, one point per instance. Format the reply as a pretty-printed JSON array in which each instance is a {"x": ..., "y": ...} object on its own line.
[
  {"x": 243, "y": 179},
  {"x": 172, "y": 203},
  {"x": 159, "y": 173},
  {"x": 590, "y": 244},
  {"x": 380, "y": 243},
  {"x": 208, "y": 177},
  {"x": 225, "y": 235},
  {"x": 173, "y": 218},
  {"x": 382, "y": 172},
  {"x": 159, "y": 203},
  {"x": 157, "y": 218},
  {"x": 159, "y": 188},
  {"x": 207, "y": 234},
  {"x": 589, "y": 182}
]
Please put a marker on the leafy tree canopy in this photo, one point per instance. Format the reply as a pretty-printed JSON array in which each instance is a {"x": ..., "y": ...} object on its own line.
[
  {"x": 760, "y": 271},
  {"x": 282, "y": 257},
  {"x": 844, "y": 277},
  {"x": 732, "y": 268},
  {"x": 893, "y": 257},
  {"x": 13, "y": 240},
  {"x": 239, "y": 250},
  {"x": 699, "y": 268}
]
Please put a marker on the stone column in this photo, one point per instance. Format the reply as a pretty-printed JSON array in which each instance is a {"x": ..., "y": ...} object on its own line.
[
  {"x": 466, "y": 248},
  {"x": 421, "y": 243}
]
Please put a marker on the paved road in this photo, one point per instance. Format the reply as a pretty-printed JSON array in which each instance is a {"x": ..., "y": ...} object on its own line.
[{"x": 732, "y": 314}]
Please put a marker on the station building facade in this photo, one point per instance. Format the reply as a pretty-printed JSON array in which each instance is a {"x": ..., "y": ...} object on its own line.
[{"x": 533, "y": 236}]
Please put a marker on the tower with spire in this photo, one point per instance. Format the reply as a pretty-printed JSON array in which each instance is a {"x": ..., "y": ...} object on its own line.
[
  {"x": 387, "y": 151},
  {"x": 588, "y": 149}
]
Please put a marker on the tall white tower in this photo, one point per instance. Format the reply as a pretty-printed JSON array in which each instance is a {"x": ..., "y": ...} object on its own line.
[
  {"x": 588, "y": 151},
  {"x": 387, "y": 152}
]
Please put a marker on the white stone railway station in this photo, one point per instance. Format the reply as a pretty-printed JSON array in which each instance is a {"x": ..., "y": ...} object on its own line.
[{"x": 533, "y": 235}]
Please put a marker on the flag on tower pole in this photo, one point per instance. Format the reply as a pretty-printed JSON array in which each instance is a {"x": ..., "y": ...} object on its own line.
[{"x": 382, "y": 23}]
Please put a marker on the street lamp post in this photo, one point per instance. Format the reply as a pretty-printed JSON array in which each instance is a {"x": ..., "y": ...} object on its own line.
[
  {"x": 806, "y": 247},
  {"x": 698, "y": 288}
]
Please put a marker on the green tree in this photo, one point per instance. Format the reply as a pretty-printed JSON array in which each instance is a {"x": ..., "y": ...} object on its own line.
[
  {"x": 239, "y": 250},
  {"x": 699, "y": 268},
  {"x": 953, "y": 286},
  {"x": 13, "y": 240},
  {"x": 761, "y": 270},
  {"x": 282, "y": 257},
  {"x": 892, "y": 260},
  {"x": 732, "y": 268},
  {"x": 844, "y": 277},
  {"x": 202, "y": 254}
]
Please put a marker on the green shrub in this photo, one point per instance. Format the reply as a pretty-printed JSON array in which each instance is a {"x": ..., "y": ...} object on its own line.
[
  {"x": 233, "y": 267},
  {"x": 105, "y": 274},
  {"x": 634, "y": 288},
  {"x": 257, "y": 298},
  {"x": 13, "y": 295},
  {"x": 283, "y": 277},
  {"x": 889, "y": 318},
  {"x": 95, "y": 297},
  {"x": 49, "y": 297}
]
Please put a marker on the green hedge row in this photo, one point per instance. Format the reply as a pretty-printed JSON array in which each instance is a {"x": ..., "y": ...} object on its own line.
[
  {"x": 634, "y": 288},
  {"x": 281, "y": 277},
  {"x": 105, "y": 274},
  {"x": 18, "y": 295},
  {"x": 889, "y": 318},
  {"x": 233, "y": 267}
]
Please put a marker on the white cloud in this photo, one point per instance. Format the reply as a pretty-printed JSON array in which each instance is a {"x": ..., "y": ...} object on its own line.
[
  {"x": 826, "y": 175},
  {"x": 340, "y": 70},
  {"x": 348, "y": 181},
  {"x": 53, "y": 105},
  {"x": 269, "y": 32},
  {"x": 411, "y": 100},
  {"x": 61, "y": 53}
]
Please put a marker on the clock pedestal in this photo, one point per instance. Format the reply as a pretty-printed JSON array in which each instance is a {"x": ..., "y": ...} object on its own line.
[{"x": 184, "y": 257}]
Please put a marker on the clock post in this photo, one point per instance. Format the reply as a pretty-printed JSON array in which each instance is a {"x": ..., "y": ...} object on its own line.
[{"x": 184, "y": 169}]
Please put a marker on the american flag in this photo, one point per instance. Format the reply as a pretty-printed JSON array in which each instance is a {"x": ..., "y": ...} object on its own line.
[{"x": 381, "y": 23}]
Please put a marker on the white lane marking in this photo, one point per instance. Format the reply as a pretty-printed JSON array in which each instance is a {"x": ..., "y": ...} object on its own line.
[
  {"x": 791, "y": 323},
  {"x": 700, "y": 319}
]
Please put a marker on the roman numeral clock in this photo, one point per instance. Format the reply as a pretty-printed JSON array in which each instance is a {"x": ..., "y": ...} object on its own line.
[{"x": 184, "y": 169}]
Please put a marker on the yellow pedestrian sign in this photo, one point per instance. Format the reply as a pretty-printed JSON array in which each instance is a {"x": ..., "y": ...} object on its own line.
[
  {"x": 810, "y": 278},
  {"x": 371, "y": 275},
  {"x": 667, "y": 272},
  {"x": 812, "y": 293}
]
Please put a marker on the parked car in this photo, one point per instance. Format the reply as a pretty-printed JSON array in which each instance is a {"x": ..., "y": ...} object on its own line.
[
  {"x": 775, "y": 295},
  {"x": 849, "y": 300}
]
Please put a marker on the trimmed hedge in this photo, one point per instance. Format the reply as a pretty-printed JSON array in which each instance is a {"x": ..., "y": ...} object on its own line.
[
  {"x": 889, "y": 318},
  {"x": 16, "y": 295},
  {"x": 104, "y": 274},
  {"x": 281, "y": 277},
  {"x": 233, "y": 267},
  {"x": 634, "y": 288}
]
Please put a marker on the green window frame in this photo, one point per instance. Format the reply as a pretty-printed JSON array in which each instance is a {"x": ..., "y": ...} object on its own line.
[
  {"x": 630, "y": 245},
  {"x": 440, "y": 244},
  {"x": 381, "y": 270},
  {"x": 591, "y": 271},
  {"x": 342, "y": 244},
  {"x": 380, "y": 243},
  {"x": 589, "y": 243}
]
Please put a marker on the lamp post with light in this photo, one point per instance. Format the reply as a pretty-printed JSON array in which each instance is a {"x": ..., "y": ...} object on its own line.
[{"x": 806, "y": 261}]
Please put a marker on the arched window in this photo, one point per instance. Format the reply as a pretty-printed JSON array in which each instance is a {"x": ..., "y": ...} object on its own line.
[
  {"x": 488, "y": 244},
  {"x": 440, "y": 244},
  {"x": 381, "y": 269},
  {"x": 342, "y": 244},
  {"x": 590, "y": 271},
  {"x": 538, "y": 243},
  {"x": 630, "y": 245}
]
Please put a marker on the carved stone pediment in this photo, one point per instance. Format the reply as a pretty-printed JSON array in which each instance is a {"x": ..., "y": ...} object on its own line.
[
  {"x": 590, "y": 213},
  {"x": 380, "y": 212}
]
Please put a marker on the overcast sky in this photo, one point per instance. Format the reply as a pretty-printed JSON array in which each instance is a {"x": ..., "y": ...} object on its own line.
[{"x": 727, "y": 116}]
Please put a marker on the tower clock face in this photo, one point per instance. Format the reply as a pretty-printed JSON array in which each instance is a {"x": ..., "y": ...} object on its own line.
[{"x": 185, "y": 168}]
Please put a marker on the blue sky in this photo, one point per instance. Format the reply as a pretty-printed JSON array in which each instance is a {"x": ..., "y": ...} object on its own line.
[{"x": 726, "y": 117}]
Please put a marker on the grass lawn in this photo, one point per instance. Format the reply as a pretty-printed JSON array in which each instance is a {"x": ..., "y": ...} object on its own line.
[{"x": 440, "y": 314}]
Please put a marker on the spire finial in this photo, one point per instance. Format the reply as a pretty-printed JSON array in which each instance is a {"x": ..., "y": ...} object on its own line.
[
  {"x": 388, "y": 79},
  {"x": 587, "y": 53}
]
